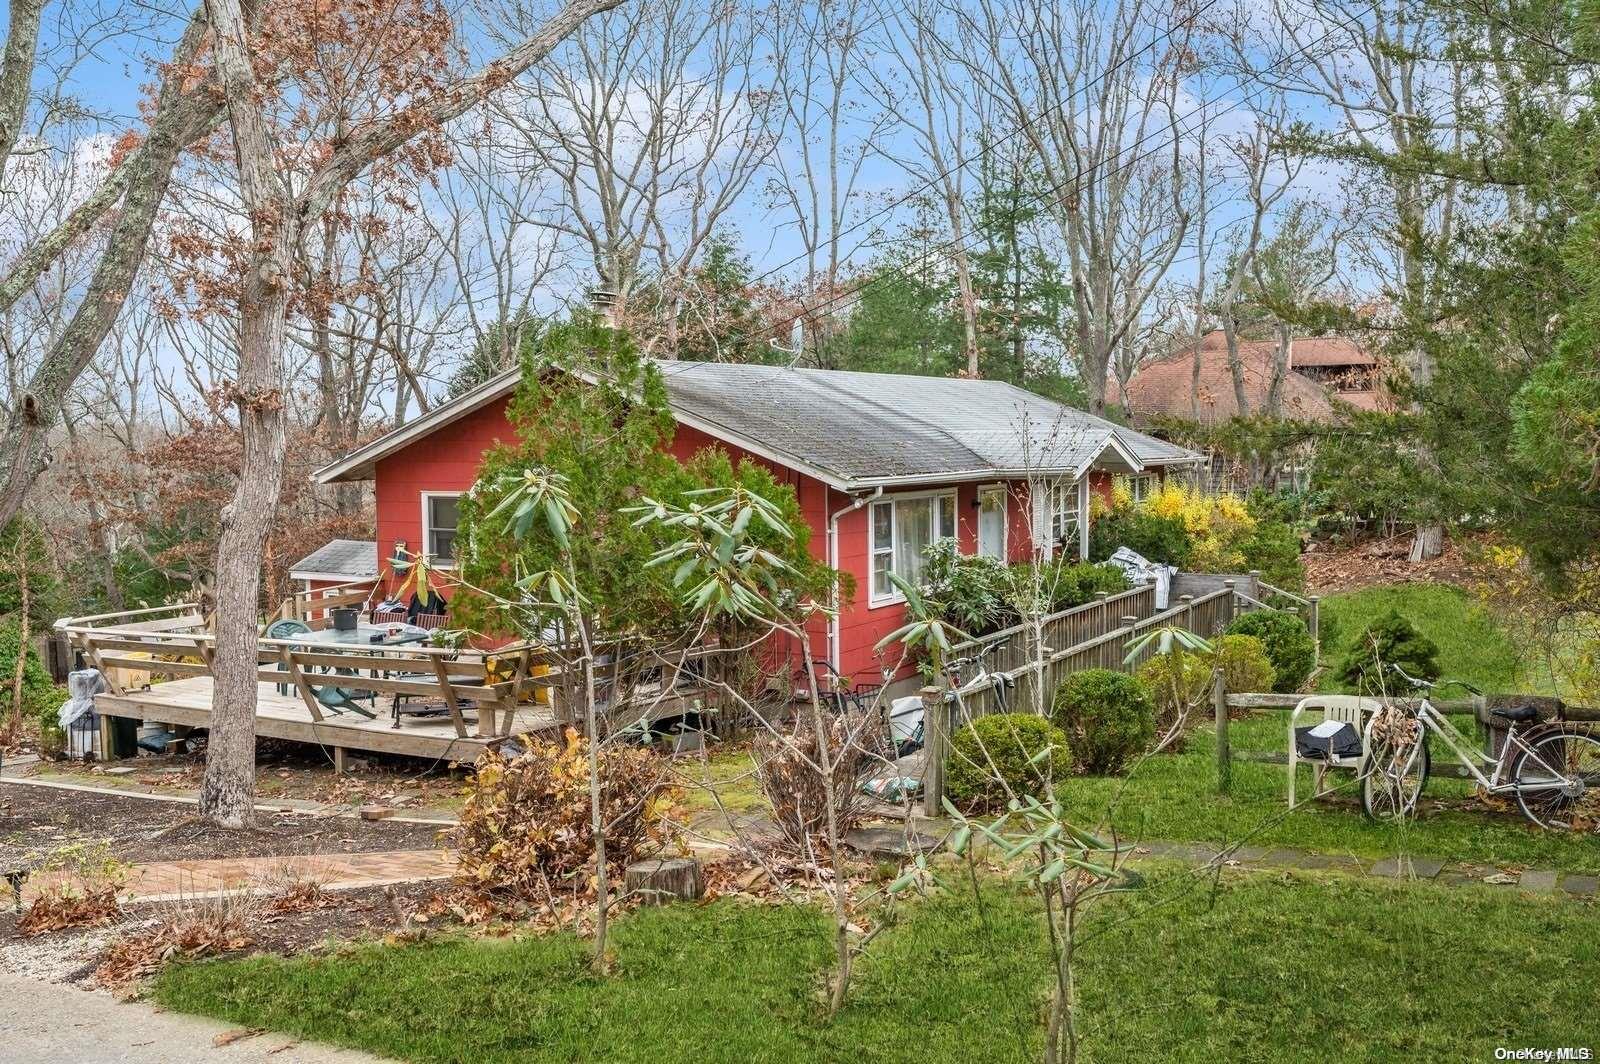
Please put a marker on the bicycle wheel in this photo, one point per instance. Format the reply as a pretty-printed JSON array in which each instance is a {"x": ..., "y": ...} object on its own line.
[
  {"x": 1558, "y": 781},
  {"x": 1394, "y": 766}
]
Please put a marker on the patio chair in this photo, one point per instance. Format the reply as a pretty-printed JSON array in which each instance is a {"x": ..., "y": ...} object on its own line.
[
  {"x": 287, "y": 628},
  {"x": 401, "y": 706},
  {"x": 1330, "y": 749}
]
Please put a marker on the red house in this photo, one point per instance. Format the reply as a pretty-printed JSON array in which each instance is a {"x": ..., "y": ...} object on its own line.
[{"x": 882, "y": 465}]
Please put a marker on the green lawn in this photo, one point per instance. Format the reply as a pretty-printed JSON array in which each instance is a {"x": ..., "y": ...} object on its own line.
[
  {"x": 1472, "y": 646},
  {"x": 1174, "y": 797},
  {"x": 1262, "y": 968}
]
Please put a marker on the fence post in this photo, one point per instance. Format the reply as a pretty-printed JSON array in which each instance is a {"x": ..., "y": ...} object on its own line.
[
  {"x": 935, "y": 747},
  {"x": 1316, "y": 630},
  {"x": 1219, "y": 705},
  {"x": 1230, "y": 604},
  {"x": 1255, "y": 586},
  {"x": 1187, "y": 602}
]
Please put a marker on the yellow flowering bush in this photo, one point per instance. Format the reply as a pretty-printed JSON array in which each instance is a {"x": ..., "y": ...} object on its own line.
[
  {"x": 1199, "y": 531},
  {"x": 1216, "y": 524}
]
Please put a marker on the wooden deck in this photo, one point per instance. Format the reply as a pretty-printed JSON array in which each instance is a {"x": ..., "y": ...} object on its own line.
[{"x": 187, "y": 702}]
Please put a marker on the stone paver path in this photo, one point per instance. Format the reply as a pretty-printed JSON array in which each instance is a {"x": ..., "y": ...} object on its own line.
[
  {"x": 171, "y": 880},
  {"x": 1532, "y": 880}
]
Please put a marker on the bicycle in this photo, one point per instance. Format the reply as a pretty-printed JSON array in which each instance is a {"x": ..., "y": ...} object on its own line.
[
  {"x": 1001, "y": 682},
  {"x": 1551, "y": 768}
]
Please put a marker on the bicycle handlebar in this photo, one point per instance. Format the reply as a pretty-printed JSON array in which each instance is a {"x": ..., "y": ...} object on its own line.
[{"x": 1431, "y": 685}]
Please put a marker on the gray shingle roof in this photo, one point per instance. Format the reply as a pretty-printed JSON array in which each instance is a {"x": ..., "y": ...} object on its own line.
[
  {"x": 854, "y": 430},
  {"x": 871, "y": 427},
  {"x": 353, "y": 558}
]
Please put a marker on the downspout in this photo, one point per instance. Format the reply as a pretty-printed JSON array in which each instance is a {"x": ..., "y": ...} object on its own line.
[{"x": 835, "y": 652}]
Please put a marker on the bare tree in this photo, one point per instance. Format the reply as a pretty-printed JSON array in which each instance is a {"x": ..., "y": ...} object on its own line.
[
  {"x": 1094, "y": 90},
  {"x": 1260, "y": 156},
  {"x": 277, "y": 218},
  {"x": 829, "y": 125},
  {"x": 930, "y": 95},
  {"x": 654, "y": 123},
  {"x": 126, "y": 200}
]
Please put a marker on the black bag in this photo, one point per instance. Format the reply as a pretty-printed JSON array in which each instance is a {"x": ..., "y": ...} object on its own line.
[{"x": 1344, "y": 744}]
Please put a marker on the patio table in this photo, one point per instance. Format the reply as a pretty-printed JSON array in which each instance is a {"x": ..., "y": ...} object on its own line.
[{"x": 362, "y": 638}]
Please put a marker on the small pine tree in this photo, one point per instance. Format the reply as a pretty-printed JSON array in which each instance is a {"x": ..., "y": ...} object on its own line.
[{"x": 1389, "y": 641}]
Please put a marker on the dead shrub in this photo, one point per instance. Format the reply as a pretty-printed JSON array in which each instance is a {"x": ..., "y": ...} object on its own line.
[
  {"x": 787, "y": 769},
  {"x": 294, "y": 889},
  {"x": 82, "y": 881},
  {"x": 191, "y": 929},
  {"x": 58, "y": 910},
  {"x": 525, "y": 830}
]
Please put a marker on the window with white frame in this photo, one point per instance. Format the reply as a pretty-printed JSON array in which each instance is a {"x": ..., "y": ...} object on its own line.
[
  {"x": 441, "y": 513},
  {"x": 1141, "y": 485},
  {"x": 1066, "y": 514},
  {"x": 902, "y": 528}
]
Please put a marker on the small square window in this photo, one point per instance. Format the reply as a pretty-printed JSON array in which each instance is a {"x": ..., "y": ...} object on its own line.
[{"x": 443, "y": 514}]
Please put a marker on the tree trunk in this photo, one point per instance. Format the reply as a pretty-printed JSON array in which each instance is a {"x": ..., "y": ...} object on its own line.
[
  {"x": 1428, "y": 542},
  {"x": 227, "y": 792},
  {"x": 1230, "y": 333},
  {"x": 146, "y": 172},
  {"x": 661, "y": 880},
  {"x": 1280, "y": 369},
  {"x": 14, "y": 722}
]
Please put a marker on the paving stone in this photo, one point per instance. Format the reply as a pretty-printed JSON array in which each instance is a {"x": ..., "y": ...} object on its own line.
[
  {"x": 889, "y": 842},
  {"x": 1407, "y": 868},
  {"x": 1183, "y": 851},
  {"x": 1537, "y": 881},
  {"x": 1583, "y": 886}
]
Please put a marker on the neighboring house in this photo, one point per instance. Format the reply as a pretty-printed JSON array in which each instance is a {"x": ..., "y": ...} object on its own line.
[
  {"x": 1322, "y": 371},
  {"x": 337, "y": 562},
  {"x": 881, "y": 464}
]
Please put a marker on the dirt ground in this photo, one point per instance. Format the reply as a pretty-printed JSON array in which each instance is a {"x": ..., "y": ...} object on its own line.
[
  {"x": 41, "y": 819},
  {"x": 338, "y": 916},
  {"x": 287, "y": 770},
  {"x": 1332, "y": 567}
]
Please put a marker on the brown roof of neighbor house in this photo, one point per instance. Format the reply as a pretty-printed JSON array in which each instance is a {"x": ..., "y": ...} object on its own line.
[
  {"x": 1163, "y": 387},
  {"x": 1327, "y": 351}
]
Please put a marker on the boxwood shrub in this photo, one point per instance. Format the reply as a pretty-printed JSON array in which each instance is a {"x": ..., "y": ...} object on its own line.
[
  {"x": 1289, "y": 645},
  {"x": 1002, "y": 746},
  {"x": 1108, "y": 716}
]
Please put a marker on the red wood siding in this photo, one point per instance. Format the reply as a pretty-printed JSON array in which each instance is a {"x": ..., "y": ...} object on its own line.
[{"x": 447, "y": 460}]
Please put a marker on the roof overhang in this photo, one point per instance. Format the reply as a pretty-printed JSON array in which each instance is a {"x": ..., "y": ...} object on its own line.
[{"x": 1113, "y": 456}]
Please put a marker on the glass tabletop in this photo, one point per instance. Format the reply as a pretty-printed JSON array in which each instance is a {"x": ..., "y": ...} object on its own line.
[{"x": 363, "y": 633}]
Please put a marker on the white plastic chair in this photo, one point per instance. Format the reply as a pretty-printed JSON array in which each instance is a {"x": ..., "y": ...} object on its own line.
[{"x": 1343, "y": 709}]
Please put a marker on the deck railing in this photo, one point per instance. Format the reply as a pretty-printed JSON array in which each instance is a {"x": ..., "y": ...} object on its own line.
[
  {"x": 315, "y": 606},
  {"x": 174, "y": 641}
]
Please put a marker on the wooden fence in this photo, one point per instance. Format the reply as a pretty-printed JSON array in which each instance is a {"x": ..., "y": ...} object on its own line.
[
  {"x": 1016, "y": 647},
  {"x": 1034, "y": 681}
]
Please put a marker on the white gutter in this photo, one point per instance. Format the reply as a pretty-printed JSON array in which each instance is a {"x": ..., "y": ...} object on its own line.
[{"x": 835, "y": 652}]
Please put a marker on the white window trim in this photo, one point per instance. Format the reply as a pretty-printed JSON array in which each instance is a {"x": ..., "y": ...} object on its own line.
[
  {"x": 1005, "y": 520},
  {"x": 427, "y": 530},
  {"x": 893, "y": 596},
  {"x": 1044, "y": 542}
]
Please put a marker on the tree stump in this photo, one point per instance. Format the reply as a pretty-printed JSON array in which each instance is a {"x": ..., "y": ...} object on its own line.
[{"x": 660, "y": 880}]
